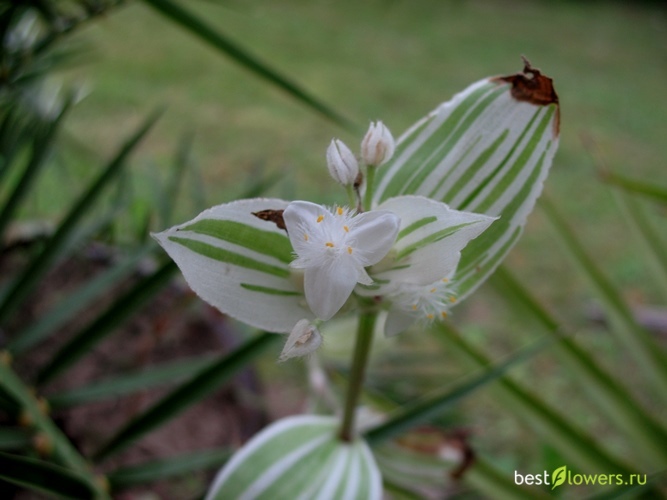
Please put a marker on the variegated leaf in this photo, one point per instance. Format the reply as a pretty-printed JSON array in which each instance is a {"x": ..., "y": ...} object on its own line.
[
  {"x": 239, "y": 263},
  {"x": 487, "y": 151},
  {"x": 299, "y": 458}
]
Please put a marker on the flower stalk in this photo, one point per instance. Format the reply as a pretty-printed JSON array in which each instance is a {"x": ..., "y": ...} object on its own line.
[
  {"x": 368, "y": 196},
  {"x": 361, "y": 354}
]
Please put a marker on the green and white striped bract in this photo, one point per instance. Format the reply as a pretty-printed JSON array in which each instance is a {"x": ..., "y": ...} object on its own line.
[
  {"x": 299, "y": 457},
  {"x": 486, "y": 151}
]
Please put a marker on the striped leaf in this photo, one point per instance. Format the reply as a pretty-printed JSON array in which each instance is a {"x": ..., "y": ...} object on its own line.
[
  {"x": 486, "y": 151},
  {"x": 300, "y": 457},
  {"x": 239, "y": 263}
]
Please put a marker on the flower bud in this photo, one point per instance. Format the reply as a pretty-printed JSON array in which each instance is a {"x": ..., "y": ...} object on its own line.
[
  {"x": 378, "y": 145},
  {"x": 342, "y": 164},
  {"x": 304, "y": 339}
]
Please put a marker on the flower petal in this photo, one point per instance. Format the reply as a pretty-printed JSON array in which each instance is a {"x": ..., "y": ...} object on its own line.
[
  {"x": 429, "y": 242},
  {"x": 374, "y": 234},
  {"x": 398, "y": 321},
  {"x": 328, "y": 287}
]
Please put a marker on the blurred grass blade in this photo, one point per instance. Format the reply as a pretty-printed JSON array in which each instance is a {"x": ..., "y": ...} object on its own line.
[
  {"x": 652, "y": 191},
  {"x": 63, "y": 450},
  {"x": 7, "y": 403},
  {"x": 602, "y": 388},
  {"x": 146, "y": 473},
  {"x": 14, "y": 438},
  {"x": 580, "y": 449},
  {"x": 105, "y": 323},
  {"x": 201, "y": 385},
  {"x": 76, "y": 302},
  {"x": 44, "y": 477},
  {"x": 655, "y": 248},
  {"x": 433, "y": 405},
  {"x": 41, "y": 146},
  {"x": 153, "y": 376},
  {"x": 636, "y": 339},
  {"x": 13, "y": 132},
  {"x": 201, "y": 29},
  {"x": 40, "y": 265}
]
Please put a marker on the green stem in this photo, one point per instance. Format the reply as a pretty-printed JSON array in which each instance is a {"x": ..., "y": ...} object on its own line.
[
  {"x": 351, "y": 198},
  {"x": 362, "y": 350},
  {"x": 370, "y": 179}
]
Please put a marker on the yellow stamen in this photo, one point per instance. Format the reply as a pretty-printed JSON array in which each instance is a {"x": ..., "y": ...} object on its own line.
[
  {"x": 452, "y": 299},
  {"x": 432, "y": 290},
  {"x": 414, "y": 307},
  {"x": 339, "y": 211},
  {"x": 429, "y": 316},
  {"x": 443, "y": 314},
  {"x": 346, "y": 229},
  {"x": 305, "y": 237},
  {"x": 329, "y": 244},
  {"x": 320, "y": 218},
  {"x": 349, "y": 250},
  {"x": 445, "y": 280}
]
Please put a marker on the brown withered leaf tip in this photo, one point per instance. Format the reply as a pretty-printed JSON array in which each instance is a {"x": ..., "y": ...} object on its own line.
[
  {"x": 275, "y": 216},
  {"x": 533, "y": 87}
]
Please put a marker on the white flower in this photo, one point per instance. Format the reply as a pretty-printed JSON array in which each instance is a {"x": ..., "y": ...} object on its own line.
[
  {"x": 304, "y": 339},
  {"x": 378, "y": 145},
  {"x": 333, "y": 248},
  {"x": 426, "y": 303},
  {"x": 343, "y": 166}
]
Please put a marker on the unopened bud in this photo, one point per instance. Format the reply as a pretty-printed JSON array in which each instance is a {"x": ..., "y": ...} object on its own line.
[
  {"x": 304, "y": 339},
  {"x": 378, "y": 145},
  {"x": 342, "y": 164}
]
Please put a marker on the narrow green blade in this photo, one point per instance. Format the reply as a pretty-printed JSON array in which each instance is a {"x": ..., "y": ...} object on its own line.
[
  {"x": 650, "y": 358},
  {"x": 105, "y": 324},
  {"x": 26, "y": 282},
  {"x": 201, "y": 29},
  {"x": 153, "y": 376},
  {"x": 13, "y": 438},
  {"x": 432, "y": 405},
  {"x": 144, "y": 474},
  {"x": 619, "y": 405},
  {"x": 74, "y": 303},
  {"x": 63, "y": 450},
  {"x": 189, "y": 393},
  {"x": 649, "y": 190},
  {"x": 580, "y": 449},
  {"x": 41, "y": 146},
  {"x": 44, "y": 477}
]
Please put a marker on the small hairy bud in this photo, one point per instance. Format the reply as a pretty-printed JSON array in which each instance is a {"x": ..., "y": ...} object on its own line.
[
  {"x": 378, "y": 145},
  {"x": 304, "y": 339},
  {"x": 343, "y": 166}
]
